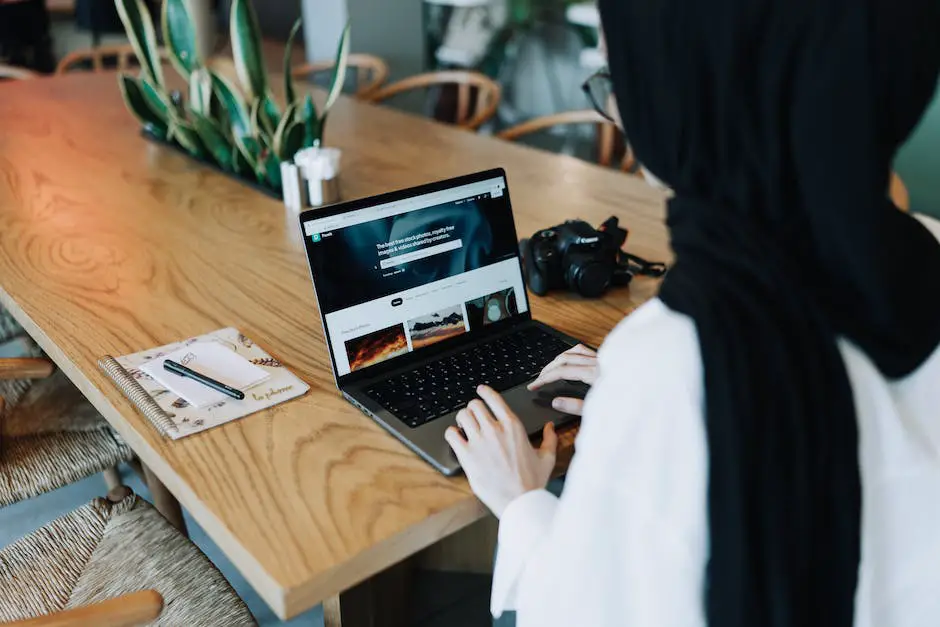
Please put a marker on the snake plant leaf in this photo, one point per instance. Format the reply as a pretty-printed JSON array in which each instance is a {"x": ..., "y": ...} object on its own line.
[
  {"x": 155, "y": 100},
  {"x": 339, "y": 70},
  {"x": 246, "y": 49},
  {"x": 308, "y": 116},
  {"x": 179, "y": 34},
  {"x": 284, "y": 131},
  {"x": 160, "y": 133},
  {"x": 291, "y": 141},
  {"x": 213, "y": 139},
  {"x": 269, "y": 114},
  {"x": 288, "y": 79},
  {"x": 139, "y": 27},
  {"x": 272, "y": 169},
  {"x": 187, "y": 137},
  {"x": 234, "y": 104},
  {"x": 200, "y": 91},
  {"x": 250, "y": 150},
  {"x": 136, "y": 101},
  {"x": 240, "y": 164}
]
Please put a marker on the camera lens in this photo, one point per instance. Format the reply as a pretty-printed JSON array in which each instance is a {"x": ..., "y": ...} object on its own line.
[{"x": 590, "y": 279}]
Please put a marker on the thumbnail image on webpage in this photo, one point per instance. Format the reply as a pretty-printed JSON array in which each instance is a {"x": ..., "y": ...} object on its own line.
[{"x": 423, "y": 331}]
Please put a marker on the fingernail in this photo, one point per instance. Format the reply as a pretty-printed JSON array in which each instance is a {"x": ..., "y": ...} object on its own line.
[{"x": 557, "y": 403}]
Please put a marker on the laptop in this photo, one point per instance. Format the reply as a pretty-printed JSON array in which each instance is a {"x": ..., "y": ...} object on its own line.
[{"x": 422, "y": 299}]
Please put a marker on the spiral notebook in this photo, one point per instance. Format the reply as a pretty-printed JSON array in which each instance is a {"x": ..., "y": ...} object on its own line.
[{"x": 171, "y": 414}]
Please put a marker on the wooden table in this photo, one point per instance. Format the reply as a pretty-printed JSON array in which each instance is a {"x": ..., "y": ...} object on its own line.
[{"x": 110, "y": 244}]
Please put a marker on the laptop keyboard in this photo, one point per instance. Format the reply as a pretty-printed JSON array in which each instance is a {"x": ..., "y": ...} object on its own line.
[{"x": 419, "y": 396}]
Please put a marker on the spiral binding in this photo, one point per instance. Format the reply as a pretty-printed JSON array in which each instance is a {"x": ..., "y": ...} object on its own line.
[{"x": 137, "y": 395}]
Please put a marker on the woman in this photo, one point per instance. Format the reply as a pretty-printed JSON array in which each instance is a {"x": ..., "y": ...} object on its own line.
[{"x": 762, "y": 443}]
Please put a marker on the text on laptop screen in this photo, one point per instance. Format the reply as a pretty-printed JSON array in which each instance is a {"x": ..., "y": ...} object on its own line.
[{"x": 398, "y": 277}]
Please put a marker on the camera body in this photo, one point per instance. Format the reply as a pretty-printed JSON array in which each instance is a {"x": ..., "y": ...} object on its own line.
[{"x": 578, "y": 257}]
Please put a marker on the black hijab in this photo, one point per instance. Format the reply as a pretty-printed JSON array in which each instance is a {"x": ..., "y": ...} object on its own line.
[{"x": 775, "y": 122}]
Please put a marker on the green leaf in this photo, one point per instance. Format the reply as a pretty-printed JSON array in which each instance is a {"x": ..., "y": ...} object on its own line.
[
  {"x": 339, "y": 70},
  {"x": 312, "y": 126},
  {"x": 246, "y": 49},
  {"x": 200, "y": 91},
  {"x": 250, "y": 150},
  {"x": 272, "y": 169},
  {"x": 156, "y": 100},
  {"x": 179, "y": 35},
  {"x": 240, "y": 164},
  {"x": 234, "y": 104},
  {"x": 270, "y": 114},
  {"x": 139, "y": 28},
  {"x": 213, "y": 139},
  {"x": 187, "y": 137},
  {"x": 156, "y": 131},
  {"x": 284, "y": 133},
  {"x": 136, "y": 101},
  {"x": 288, "y": 79}
]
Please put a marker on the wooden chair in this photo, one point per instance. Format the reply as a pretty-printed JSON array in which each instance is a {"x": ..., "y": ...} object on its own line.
[
  {"x": 371, "y": 72},
  {"x": 606, "y": 133},
  {"x": 488, "y": 94},
  {"x": 123, "y": 54},
  {"x": 114, "y": 562},
  {"x": 898, "y": 193},
  {"x": 50, "y": 435},
  {"x": 16, "y": 73}
]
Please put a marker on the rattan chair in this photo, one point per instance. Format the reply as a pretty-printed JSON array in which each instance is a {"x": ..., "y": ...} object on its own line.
[
  {"x": 123, "y": 56},
  {"x": 488, "y": 94},
  {"x": 371, "y": 72},
  {"x": 898, "y": 193},
  {"x": 114, "y": 562},
  {"x": 50, "y": 435},
  {"x": 16, "y": 73},
  {"x": 606, "y": 133}
]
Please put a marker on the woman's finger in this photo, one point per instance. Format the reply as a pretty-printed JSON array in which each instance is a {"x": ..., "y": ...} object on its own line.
[
  {"x": 468, "y": 423},
  {"x": 485, "y": 419},
  {"x": 497, "y": 405},
  {"x": 549, "y": 446},
  {"x": 585, "y": 374},
  {"x": 566, "y": 359},
  {"x": 570, "y": 406},
  {"x": 581, "y": 349},
  {"x": 453, "y": 437}
]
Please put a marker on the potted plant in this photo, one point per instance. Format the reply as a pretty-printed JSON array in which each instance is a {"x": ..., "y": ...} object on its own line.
[{"x": 244, "y": 133}]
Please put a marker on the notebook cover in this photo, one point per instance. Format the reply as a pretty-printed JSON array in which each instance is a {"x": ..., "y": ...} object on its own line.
[{"x": 172, "y": 415}]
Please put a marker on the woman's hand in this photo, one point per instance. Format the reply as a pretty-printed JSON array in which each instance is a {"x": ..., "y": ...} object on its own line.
[
  {"x": 575, "y": 364},
  {"x": 496, "y": 454}
]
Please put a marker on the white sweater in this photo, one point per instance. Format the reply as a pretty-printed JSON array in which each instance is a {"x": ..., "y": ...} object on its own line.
[{"x": 627, "y": 543}]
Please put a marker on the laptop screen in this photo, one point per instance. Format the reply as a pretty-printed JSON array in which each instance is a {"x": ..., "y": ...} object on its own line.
[{"x": 404, "y": 275}]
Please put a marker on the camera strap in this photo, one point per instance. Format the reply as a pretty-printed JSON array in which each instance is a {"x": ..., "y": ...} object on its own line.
[{"x": 637, "y": 266}]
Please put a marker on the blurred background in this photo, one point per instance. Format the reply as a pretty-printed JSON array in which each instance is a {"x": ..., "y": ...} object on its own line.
[{"x": 540, "y": 51}]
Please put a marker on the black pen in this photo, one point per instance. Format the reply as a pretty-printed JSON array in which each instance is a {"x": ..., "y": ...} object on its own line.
[{"x": 218, "y": 386}]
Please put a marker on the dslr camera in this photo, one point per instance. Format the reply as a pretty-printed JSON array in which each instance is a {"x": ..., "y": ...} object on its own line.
[{"x": 582, "y": 259}]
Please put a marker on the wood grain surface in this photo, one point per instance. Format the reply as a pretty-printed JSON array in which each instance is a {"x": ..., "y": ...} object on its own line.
[{"x": 111, "y": 245}]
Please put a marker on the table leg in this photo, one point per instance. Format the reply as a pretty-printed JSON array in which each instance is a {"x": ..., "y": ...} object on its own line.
[
  {"x": 164, "y": 501},
  {"x": 382, "y": 601},
  {"x": 112, "y": 477}
]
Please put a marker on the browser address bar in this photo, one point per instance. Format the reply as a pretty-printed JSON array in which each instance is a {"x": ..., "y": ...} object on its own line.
[{"x": 323, "y": 225}]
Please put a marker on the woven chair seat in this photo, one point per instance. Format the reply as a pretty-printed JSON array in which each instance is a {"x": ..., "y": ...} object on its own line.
[
  {"x": 104, "y": 550},
  {"x": 50, "y": 436}
]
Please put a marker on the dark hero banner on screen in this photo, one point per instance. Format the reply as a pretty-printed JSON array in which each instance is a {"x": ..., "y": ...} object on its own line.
[{"x": 348, "y": 261}]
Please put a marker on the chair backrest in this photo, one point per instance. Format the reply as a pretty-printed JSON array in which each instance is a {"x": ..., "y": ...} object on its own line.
[
  {"x": 123, "y": 55},
  {"x": 371, "y": 72},
  {"x": 16, "y": 73},
  {"x": 606, "y": 133},
  {"x": 488, "y": 93},
  {"x": 898, "y": 193}
]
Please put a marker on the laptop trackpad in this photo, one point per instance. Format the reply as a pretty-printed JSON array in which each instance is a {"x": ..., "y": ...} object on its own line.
[{"x": 535, "y": 408}]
